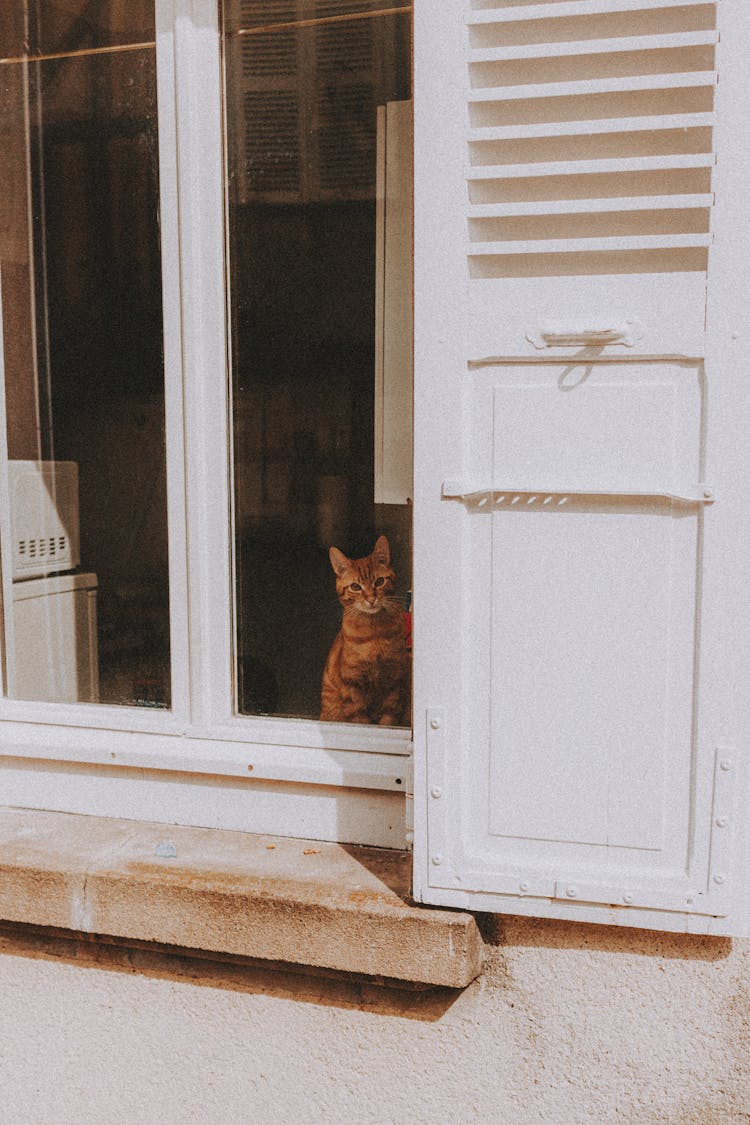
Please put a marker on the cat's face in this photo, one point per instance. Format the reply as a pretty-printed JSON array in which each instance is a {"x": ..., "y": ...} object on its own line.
[{"x": 364, "y": 585}]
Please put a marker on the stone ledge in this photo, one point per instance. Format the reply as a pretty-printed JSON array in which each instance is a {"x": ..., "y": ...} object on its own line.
[{"x": 299, "y": 902}]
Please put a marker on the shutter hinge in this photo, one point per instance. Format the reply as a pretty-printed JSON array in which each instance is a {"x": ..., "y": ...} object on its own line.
[
  {"x": 719, "y": 891},
  {"x": 435, "y": 720}
]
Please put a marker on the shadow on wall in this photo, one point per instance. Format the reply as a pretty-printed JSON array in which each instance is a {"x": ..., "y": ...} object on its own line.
[
  {"x": 501, "y": 930},
  {"x": 327, "y": 988},
  {"x": 513, "y": 930}
]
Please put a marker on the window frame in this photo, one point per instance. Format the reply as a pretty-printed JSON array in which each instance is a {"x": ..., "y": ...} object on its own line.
[{"x": 201, "y": 736}]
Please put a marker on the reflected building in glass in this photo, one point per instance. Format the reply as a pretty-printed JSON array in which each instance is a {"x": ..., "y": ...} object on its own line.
[{"x": 83, "y": 361}]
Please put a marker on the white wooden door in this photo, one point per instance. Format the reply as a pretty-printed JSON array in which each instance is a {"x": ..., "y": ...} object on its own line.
[{"x": 582, "y": 422}]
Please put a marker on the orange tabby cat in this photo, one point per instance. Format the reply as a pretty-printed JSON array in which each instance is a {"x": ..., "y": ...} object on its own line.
[{"x": 367, "y": 674}]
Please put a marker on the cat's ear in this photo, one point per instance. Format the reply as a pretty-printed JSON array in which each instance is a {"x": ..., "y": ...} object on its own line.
[
  {"x": 381, "y": 552},
  {"x": 339, "y": 561}
]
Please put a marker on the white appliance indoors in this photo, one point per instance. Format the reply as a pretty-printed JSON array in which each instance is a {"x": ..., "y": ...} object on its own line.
[{"x": 55, "y": 654}]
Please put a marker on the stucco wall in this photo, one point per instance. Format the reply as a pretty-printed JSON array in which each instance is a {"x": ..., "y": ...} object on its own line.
[{"x": 569, "y": 1024}]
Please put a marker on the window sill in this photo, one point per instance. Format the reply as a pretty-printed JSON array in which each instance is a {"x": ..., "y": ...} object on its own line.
[{"x": 270, "y": 898}]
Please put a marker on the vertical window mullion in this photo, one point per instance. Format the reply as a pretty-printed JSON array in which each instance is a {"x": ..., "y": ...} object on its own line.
[
  {"x": 6, "y": 536},
  {"x": 203, "y": 333},
  {"x": 173, "y": 374}
]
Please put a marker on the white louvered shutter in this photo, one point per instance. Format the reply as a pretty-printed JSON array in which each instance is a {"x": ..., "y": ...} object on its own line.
[{"x": 582, "y": 447}]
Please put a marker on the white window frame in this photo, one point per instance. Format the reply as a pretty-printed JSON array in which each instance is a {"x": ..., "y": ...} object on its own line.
[
  {"x": 214, "y": 767},
  {"x": 202, "y": 764}
]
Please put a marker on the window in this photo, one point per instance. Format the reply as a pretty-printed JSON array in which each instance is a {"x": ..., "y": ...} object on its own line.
[
  {"x": 308, "y": 87},
  {"x": 180, "y": 450},
  {"x": 207, "y": 336},
  {"x": 85, "y": 484}
]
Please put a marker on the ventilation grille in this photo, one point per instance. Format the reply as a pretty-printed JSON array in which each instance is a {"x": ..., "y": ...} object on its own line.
[
  {"x": 50, "y": 548},
  {"x": 44, "y": 517},
  {"x": 590, "y": 134}
]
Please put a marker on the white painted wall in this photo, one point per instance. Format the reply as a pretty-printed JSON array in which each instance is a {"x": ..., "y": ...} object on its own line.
[{"x": 570, "y": 1024}]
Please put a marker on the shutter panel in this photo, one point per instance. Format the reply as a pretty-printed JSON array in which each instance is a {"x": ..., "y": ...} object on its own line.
[{"x": 580, "y": 440}]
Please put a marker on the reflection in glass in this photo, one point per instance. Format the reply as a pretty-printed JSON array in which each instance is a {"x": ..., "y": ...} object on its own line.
[
  {"x": 86, "y": 541},
  {"x": 306, "y": 85}
]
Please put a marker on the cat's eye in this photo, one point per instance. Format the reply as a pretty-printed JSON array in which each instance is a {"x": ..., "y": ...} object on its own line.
[
  {"x": 355, "y": 586},
  {"x": 379, "y": 582}
]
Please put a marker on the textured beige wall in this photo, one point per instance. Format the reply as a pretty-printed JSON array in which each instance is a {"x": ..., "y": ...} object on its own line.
[{"x": 569, "y": 1024}]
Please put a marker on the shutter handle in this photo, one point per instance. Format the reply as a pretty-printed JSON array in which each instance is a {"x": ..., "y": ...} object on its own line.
[
  {"x": 456, "y": 490},
  {"x": 585, "y": 334}
]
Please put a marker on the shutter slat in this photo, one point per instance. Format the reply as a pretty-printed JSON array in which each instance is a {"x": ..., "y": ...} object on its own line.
[
  {"x": 566, "y": 49},
  {"x": 587, "y": 128},
  {"x": 521, "y": 13},
  {"x": 593, "y": 167},
  {"x": 585, "y": 206},
  {"x": 570, "y": 80},
  {"x": 588, "y": 245},
  {"x": 596, "y": 86}
]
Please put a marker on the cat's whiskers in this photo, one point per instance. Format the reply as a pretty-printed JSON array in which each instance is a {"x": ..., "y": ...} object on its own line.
[{"x": 363, "y": 607}]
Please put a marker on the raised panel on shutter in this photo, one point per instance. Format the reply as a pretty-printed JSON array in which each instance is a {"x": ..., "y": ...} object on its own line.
[{"x": 579, "y": 517}]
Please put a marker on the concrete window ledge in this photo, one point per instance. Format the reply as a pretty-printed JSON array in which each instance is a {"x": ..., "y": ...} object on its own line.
[{"x": 297, "y": 902}]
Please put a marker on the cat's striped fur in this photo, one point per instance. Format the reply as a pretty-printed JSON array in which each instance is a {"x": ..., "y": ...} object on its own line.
[{"x": 367, "y": 677}]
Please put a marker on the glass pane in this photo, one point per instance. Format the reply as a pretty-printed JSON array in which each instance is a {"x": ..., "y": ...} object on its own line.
[
  {"x": 307, "y": 86},
  {"x": 86, "y": 540}
]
